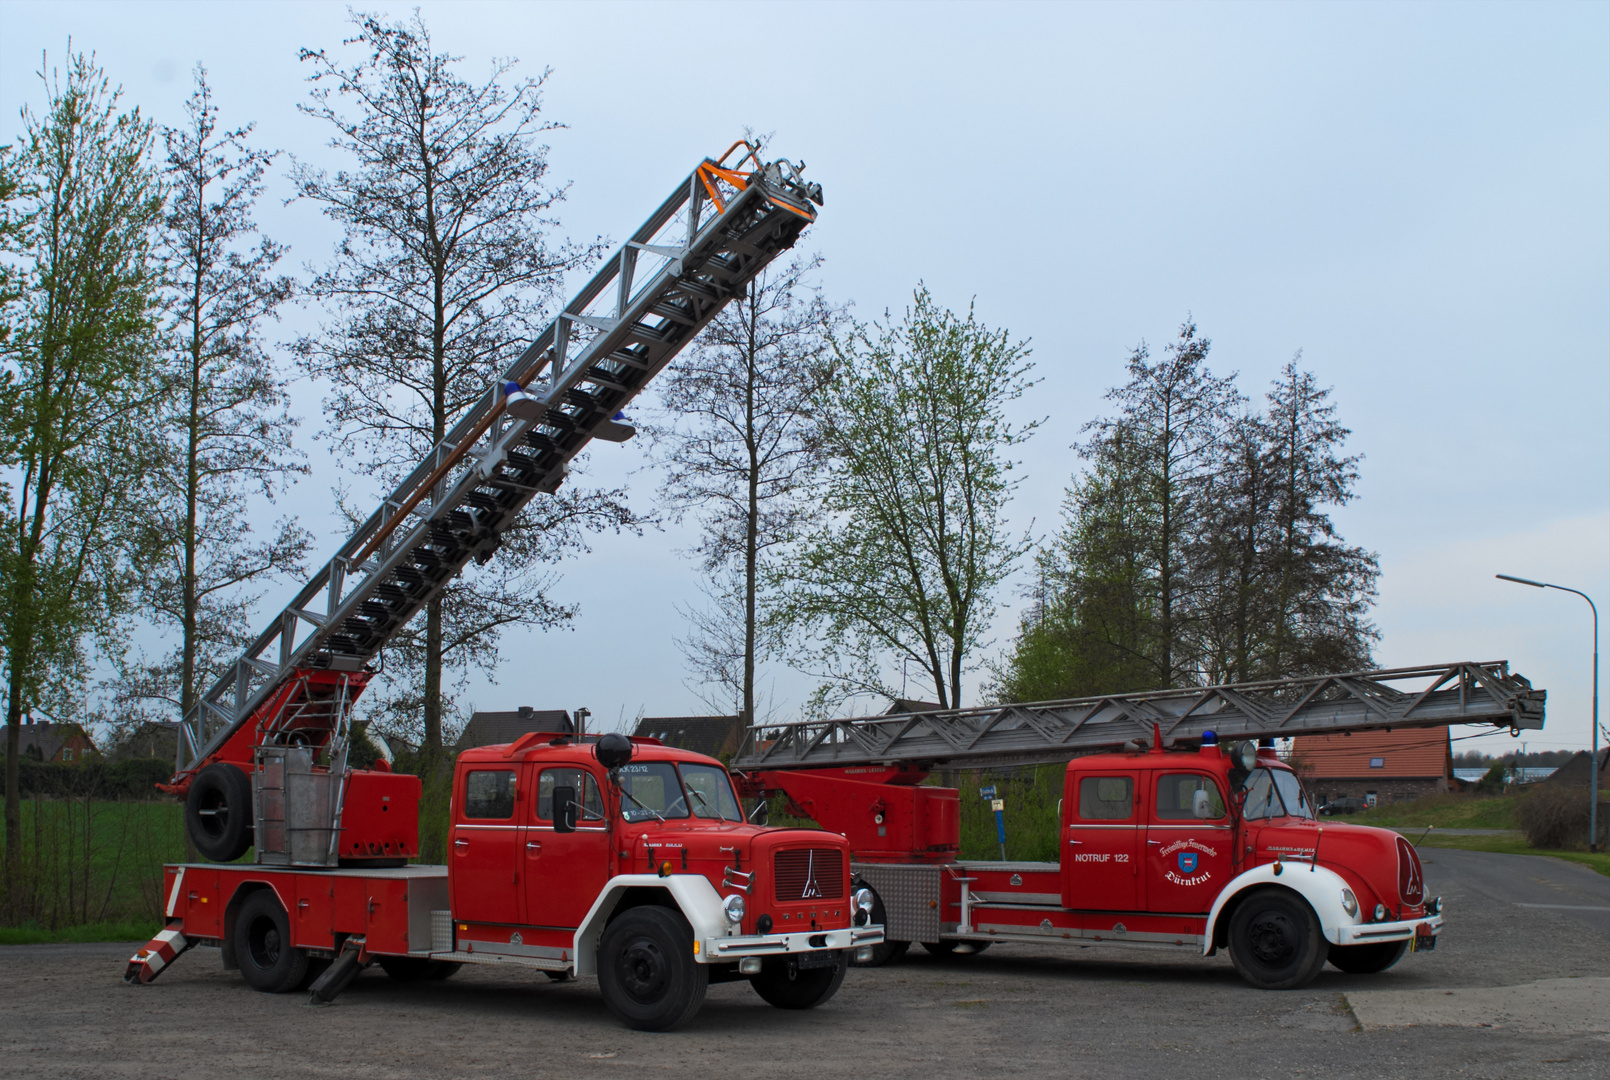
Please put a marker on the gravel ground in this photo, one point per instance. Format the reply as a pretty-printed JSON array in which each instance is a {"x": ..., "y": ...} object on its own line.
[{"x": 1017, "y": 1010}]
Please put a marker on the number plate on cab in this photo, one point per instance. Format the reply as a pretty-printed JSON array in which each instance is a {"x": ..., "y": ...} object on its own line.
[{"x": 1424, "y": 940}]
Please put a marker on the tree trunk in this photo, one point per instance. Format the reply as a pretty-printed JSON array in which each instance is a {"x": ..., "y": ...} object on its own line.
[
  {"x": 752, "y": 519},
  {"x": 433, "y": 685}
]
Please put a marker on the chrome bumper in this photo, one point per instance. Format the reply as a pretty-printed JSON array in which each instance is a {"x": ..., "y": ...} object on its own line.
[
  {"x": 720, "y": 950},
  {"x": 1368, "y": 933}
]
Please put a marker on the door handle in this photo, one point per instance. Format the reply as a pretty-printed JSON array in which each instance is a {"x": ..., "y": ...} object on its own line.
[
  {"x": 1075, "y": 841},
  {"x": 1159, "y": 843},
  {"x": 533, "y": 845}
]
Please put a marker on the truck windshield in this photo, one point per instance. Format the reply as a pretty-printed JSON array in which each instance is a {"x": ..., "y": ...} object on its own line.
[
  {"x": 710, "y": 792},
  {"x": 1274, "y": 793},
  {"x": 651, "y": 790}
]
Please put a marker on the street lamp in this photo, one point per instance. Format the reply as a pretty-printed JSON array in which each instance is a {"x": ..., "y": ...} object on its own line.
[{"x": 1593, "y": 762}]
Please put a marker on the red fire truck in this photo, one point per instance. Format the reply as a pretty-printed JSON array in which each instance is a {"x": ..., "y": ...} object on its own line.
[
  {"x": 570, "y": 854},
  {"x": 1170, "y": 835}
]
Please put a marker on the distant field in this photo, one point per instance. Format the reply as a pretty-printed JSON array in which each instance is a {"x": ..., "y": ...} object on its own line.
[
  {"x": 94, "y": 863},
  {"x": 1445, "y": 812}
]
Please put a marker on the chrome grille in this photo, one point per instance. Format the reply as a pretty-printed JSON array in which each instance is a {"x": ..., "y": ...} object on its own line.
[{"x": 808, "y": 874}]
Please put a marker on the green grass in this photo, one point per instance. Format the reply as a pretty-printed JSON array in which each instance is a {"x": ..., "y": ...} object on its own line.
[
  {"x": 124, "y": 930},
  {"x": 1504, "y": 845},
  {"x": 1445, "y": 812}
]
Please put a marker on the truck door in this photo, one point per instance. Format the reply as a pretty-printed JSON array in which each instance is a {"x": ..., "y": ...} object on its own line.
[
  {"x": 1188, "y": 841},
  {"x": 485, "y": 854},
  {"x": 1101, "y": 841},
  {"x": 564, "y": 872}
]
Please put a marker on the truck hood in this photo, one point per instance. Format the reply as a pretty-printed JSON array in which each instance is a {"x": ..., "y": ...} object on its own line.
[{"x": 1380, "y": 865}]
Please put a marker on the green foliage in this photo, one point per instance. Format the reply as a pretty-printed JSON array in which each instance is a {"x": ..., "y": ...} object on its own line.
[
  {"x": 84, "y": 861},
  {"x": 1445, "y": 812},
  {"x": 140, "y": 930},
  {"x": 1033, "y": 825},
  {"x": 133, "y": 780},
  {"x": 1196, "y": 547},
  {"x": 1556, "y": 816},
  {"x": 915, "y": 543}
]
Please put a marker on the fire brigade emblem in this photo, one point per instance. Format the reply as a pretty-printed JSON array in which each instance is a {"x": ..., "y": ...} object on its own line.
[{"x": 1187, "y": 862}]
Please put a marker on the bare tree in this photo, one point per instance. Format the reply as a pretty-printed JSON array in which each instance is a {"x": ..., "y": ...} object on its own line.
[
  {"x": 76, "y": 392},
  {"x": 225, "y": 418},
  {"x": 915, "y": 423},
  {"x": 440, "y": 280},
  {"x": 738, "y": 437}
]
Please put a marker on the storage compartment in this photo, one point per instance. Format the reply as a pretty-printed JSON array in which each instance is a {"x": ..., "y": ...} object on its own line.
[{"x": 380, "y": 816}]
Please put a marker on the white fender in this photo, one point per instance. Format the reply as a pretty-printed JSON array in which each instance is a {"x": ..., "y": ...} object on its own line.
[
  {"x": 693, "y": 894},
  {"x": 1322, "y": 889}
]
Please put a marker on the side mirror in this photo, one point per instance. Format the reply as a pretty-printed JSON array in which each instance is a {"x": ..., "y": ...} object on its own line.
[
  {"x": 564, "y": 809},
  {"x": 1202, "y": 804},
  {"x": 761, "y": 814}
]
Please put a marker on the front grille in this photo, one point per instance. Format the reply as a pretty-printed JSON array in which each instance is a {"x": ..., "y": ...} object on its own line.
[
  {"x": 1411, "y": 880},
  {"x": 808, "y": 874}
]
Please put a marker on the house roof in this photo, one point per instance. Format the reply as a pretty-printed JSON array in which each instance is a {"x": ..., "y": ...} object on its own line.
[
  {"x": 492, "y": 728},
  {"x": 903, "y": 706},
  {"x": 1574, "y": 773},
  {"x": 708, "y": 735},
  {"x": 46, "y": 739},
  {"x": 1416, "y": 753}
]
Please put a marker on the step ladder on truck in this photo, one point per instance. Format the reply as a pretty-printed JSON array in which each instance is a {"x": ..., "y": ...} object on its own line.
[
  {"x": 1180, "y": 827},
  {"x": 571, "y": 854}
]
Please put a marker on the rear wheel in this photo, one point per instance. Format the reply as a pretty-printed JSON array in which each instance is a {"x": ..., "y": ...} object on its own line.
[
  {"x": 949, "y": 948},
  {"x": 783, "y": 984},
  {"x": 218, "y": 812},
  {"x": 884, "y": 951},
  {"x": 646, "y": 969},
  {"x": 268, "y": 961},
  {"x": 1275, "y": 940},
  {"x": 1367, "y": 959}
]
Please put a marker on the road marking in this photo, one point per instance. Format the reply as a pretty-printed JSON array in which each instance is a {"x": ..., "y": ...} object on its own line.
[{"x": 1567, "y": 907}]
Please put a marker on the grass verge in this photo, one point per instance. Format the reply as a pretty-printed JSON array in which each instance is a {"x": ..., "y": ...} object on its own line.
[
  {"x": 79, "y": 935},
  {"x": 1504, "y": 845},
  {"x": 1446, "y": 812}
]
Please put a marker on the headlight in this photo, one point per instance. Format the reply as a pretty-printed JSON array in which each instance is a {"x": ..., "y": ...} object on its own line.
[
  {"x": 1380, "y": 912},
  {"x": 863, "y": 900},
  {"x": 1435, "y": 907},
  {"x": 733, "y": 908},
  {"x": 1350, "y": 903}
]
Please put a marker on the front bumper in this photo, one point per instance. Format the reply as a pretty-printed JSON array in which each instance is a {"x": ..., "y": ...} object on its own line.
[
  {"x": 1369, "y": 933},
  {"x": 721, "y": 950}
]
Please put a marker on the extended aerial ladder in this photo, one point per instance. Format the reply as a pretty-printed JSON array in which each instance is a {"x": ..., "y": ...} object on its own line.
[
  {"x": 860, "y": 776},
  {"x": 296, "y": 683}
]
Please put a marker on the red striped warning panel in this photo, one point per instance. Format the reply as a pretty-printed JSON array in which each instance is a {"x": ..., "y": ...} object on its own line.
[{"x": 157, "y": 954}]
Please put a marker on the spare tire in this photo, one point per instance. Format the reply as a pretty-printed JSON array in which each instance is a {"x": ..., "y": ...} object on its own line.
[{"x": 218, "y": 812}]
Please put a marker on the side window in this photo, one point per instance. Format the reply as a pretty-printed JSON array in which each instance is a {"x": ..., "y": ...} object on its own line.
[
  {"x": 579, "y": 780},
  {"x": 1106, "y": 798},
  {"x": 1176, "y": 797},
  {"x": 489, "y": 794}
]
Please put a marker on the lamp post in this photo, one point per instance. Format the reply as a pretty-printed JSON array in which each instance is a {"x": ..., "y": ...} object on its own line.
[{"x": 1593, "y": 760}]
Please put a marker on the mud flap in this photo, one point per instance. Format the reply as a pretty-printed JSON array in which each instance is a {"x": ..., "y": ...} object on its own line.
[{"x": 157, "y": 954}]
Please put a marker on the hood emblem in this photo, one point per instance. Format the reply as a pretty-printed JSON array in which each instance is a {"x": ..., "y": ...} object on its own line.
[{"x": 812, "y": 890}]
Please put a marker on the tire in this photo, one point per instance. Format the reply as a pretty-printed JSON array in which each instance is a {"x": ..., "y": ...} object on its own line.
[
  {"x": 406, "y": 969},
  {"x": 1367, "y": 959},
  {"x": 218, "y": 812},
  {"x": 783, "y": 985},
  {"x": 1275, "y": 940},
  {"x": 883, "y": 951},
  {"x": 268, "y": 961},
  {"x": 559, "y": 976},
  {"x": 948, "y": 948},
  {"x": 646, "y": 969}
]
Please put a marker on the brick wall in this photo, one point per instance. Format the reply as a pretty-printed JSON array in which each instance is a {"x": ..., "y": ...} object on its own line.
[{"x": 1387, "y": 789}]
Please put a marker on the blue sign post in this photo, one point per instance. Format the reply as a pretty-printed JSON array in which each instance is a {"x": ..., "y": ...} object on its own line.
[{"x": 999, "y": 806}]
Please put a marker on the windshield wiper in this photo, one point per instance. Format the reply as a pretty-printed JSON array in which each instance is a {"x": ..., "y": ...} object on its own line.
[{"x": 641, "y": 803}]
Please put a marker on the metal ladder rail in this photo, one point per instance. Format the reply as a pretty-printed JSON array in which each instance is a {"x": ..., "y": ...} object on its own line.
[
  {"x": 389, "y": 568},
  {"x": 1035, "y": 732}
]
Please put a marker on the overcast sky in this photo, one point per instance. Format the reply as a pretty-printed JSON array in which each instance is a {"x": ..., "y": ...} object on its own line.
[{"x": 1414, "y": 196}]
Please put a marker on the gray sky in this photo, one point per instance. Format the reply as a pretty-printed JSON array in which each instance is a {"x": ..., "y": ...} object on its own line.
[{"x": 1415, "y": 196}]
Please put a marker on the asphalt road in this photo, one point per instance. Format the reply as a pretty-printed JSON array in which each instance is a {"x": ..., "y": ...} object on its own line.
[{"x": 1016, "y": 1010}]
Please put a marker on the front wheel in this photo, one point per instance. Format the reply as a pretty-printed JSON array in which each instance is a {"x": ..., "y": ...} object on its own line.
[
  {"x": 646, "y": 969},
  {"x": 1275, "y": 940},
  {"x": 783, "y": 984},
  {"x": 1368, "y": 959},
  {"x": 268, "y": 961}
]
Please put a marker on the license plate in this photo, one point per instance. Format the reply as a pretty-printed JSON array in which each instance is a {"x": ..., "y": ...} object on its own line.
[
  {"x": 825, "y": 959},
  {"x": 1422, "y": 943}
]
